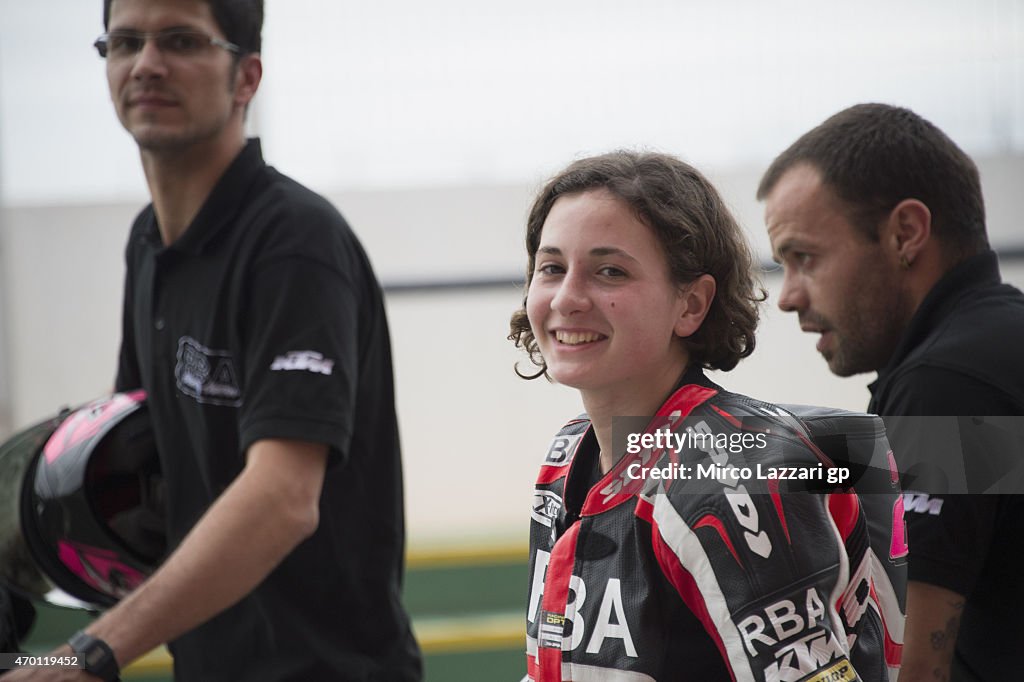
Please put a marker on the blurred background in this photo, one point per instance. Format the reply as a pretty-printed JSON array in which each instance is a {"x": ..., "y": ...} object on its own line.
[{"x": 431, "y": 126}]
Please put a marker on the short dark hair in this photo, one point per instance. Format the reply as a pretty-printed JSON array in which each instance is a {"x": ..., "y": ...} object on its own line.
[
  {"x": 696, "y": 231},
  {"x": 240, "y": 20},
  {"x": 873, "y": 156}
]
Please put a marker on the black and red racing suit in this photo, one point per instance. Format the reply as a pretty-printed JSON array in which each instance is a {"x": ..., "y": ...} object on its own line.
[{"x": 636, "y": 579}]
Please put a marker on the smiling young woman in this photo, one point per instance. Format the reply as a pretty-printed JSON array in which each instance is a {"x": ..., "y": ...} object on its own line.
[{"x": 639, "y": 279}]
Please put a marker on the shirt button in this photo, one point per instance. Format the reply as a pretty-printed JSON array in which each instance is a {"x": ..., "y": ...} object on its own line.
[{"x": 159, "y": 324}]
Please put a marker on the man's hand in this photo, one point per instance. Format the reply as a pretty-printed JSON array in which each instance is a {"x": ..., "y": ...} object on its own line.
[{"x": 933, "y": 621}]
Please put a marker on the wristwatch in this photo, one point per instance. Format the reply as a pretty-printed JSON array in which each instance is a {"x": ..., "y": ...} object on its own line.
[{"x": 97, "y": 656}]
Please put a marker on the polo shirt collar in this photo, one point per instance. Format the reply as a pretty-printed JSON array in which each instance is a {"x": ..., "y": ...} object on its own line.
[
  {"x": 224, "y": 202},
  {"x": 979, "y": 270}
]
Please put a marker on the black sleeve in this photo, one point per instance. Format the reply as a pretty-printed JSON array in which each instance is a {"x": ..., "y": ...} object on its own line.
[
  {"x": 301, "y": 354},
  {"x": 950, "y": 535},
  {"x": 950, "y": 538}
]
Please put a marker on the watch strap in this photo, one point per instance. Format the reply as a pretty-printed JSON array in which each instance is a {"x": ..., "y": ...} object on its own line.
[{"x": 97, "y": 656}]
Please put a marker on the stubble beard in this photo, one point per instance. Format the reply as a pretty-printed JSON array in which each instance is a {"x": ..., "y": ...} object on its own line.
[
  {"x": 867, "y": 336},
  {"x": 154, "y": 140}
]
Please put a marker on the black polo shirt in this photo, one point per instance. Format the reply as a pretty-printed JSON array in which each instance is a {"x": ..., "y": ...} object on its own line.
[
  {"x": 963, "y": 355},
  {"x": 264, "y": 320}
]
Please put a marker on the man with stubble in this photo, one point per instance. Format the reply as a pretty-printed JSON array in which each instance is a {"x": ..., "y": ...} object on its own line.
[{"x": 878, "y": 220}]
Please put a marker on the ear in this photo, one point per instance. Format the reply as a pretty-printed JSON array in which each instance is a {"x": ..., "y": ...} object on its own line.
[
  {"x": 247, "y": 81},
  {"x": 908, "y": 229},
  {"x": 696, "y": 300}
]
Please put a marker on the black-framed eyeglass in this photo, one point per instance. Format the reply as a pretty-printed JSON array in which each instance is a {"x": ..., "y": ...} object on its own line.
[{"x": 182, "y": 42}]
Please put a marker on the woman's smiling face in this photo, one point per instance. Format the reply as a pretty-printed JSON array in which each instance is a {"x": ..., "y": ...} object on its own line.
[{"x": 601, "y": 302}]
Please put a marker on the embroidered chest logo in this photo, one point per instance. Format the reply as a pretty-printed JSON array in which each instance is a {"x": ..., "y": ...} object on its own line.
[
  {"x": 306, "y": 360},
  {"x": 207, "y": 375}
]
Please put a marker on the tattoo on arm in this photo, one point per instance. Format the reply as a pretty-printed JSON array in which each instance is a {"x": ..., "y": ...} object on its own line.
[{"x": 945, "y": 640}]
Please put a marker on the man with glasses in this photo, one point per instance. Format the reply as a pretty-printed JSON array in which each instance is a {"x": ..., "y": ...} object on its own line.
[{"x": 254, "y": 322}]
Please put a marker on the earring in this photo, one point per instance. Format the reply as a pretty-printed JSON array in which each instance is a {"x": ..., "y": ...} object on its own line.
[{"x": 904, "y": 263}]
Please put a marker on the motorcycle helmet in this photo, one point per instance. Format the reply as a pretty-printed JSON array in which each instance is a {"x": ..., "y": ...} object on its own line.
[{"x": 85, "y": 526}]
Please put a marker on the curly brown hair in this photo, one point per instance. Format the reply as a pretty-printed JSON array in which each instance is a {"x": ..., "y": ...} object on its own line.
[{"x": 696, "y": 231}]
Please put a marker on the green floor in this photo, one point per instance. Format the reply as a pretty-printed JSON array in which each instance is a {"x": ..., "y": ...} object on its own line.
[
  {"x": 496, "y": 666},
  {"x": 445, "y": 594}
]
